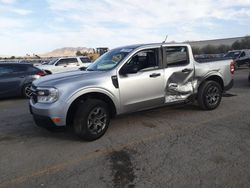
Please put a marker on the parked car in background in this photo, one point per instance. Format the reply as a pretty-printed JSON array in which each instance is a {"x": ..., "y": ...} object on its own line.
[
  {"x": 128, "y": 79},
  {"x": 65, "y": 64},
  {"x": 241, "y": 57},
  {"x": 16, "y": 79}
]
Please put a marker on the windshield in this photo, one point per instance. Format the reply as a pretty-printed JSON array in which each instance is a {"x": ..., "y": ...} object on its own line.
[
  {"x": 109, "y": 60},
  {"x": 233, "y": 54},
  {"x": 52, "y": 62}
]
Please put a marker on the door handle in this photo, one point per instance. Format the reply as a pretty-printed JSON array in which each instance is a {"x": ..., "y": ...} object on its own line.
[
  {"x": 186, "y": 70},
  {"x": 154, "y": 75},
  {"x": 22, "y": 77}
]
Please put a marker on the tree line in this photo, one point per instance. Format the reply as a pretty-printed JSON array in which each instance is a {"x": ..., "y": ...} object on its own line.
[{"x": 211, "y": 49}]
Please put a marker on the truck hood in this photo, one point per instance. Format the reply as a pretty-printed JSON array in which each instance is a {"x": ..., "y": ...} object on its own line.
[{"x": 66, "y": 77}]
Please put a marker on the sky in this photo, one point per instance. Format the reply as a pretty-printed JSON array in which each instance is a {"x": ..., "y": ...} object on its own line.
[{"x": 39, "y": 26}]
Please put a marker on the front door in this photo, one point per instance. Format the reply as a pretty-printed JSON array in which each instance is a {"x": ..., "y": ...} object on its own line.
[
  {"x": 179, "y": 73},
  {"x": 144, "y": 88}
]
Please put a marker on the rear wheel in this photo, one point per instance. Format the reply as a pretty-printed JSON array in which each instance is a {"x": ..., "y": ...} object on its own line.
[
  {"x": 91, "y": 119},
  {"x": 209, "y": 96},
  {"x": 26, "y": 91}
]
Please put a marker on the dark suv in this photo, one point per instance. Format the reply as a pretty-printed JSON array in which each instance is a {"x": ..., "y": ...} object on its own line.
[{"x": 16, "y": 78}]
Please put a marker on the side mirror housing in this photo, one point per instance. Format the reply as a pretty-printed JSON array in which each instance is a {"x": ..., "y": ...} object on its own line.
[{"x": 129, "y": 70}]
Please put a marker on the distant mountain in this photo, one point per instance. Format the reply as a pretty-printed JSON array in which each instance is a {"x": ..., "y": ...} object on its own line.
[
  {"x": 67, "y": 51},
  {"x": 4, "y": 56}
]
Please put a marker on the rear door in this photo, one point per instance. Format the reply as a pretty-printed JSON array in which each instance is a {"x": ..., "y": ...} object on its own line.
[
  {"x": 144, "y": 89},
  {"x": 66, "y": 64},
  {"x": 11, "y": 79},
  {"x": 179, "y": 73}
]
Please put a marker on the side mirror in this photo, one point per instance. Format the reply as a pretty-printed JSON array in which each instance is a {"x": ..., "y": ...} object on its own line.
[{"x": 132, "y": 69}]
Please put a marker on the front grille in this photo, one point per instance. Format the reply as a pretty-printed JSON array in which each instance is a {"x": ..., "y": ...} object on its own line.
[{"x": 34, "y": 93}]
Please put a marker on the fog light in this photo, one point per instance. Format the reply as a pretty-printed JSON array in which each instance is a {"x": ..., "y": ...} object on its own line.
[{"x": 56, "y": 120}]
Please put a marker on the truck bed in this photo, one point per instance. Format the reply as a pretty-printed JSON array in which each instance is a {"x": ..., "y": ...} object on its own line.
[{"x": 209, "y": 60}]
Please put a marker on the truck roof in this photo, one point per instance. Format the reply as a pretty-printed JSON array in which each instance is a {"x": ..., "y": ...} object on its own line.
[{"x": 134, "y": 46}]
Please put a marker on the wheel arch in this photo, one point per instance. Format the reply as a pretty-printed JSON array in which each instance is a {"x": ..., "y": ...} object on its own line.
[
  {"x": 215, "y": 77},
  {"x": 91, "y": 95}
]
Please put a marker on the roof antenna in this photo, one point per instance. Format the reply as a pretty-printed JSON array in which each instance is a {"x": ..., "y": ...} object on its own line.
[{"x": 165, "y": 39}]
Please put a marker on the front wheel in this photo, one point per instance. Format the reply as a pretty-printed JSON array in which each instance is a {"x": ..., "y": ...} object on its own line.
[
  {"x": 91, "y": 119},
  {"x": 209, "y": 96}
]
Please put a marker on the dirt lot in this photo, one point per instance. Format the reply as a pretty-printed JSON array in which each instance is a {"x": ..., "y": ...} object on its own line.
[{"x": 179, "y": 146}]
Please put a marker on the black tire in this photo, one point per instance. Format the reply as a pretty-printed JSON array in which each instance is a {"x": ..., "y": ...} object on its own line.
[
  {"x": 26, "y": 93},
  {"x": 88, "y": 124},
  {"x": 209, "y": 95}
]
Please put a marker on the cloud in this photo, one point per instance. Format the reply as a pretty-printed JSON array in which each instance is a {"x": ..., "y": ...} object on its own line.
[
  {"x": 10, "y": 23},
  {"x": 113, "y": 23},
  {"x": 153, "y": 15},
  {"x": 8, "y": 1},
  {"x": 22, "y": 12},
  {"x": 142, "y": 19},
  {"x": 7, "y": 9}
]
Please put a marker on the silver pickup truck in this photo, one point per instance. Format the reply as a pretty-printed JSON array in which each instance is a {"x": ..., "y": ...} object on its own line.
[{"x": 128, "y": 79}]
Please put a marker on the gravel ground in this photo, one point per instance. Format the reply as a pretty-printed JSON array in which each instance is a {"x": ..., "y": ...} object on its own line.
[{"x": 178, "y": 146}]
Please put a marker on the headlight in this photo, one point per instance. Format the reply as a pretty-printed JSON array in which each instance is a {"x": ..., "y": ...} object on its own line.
[{"x": 47, "y": 95}]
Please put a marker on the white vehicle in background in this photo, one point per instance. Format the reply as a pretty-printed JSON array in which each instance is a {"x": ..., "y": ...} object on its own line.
[{"x": 65, "y": 64}]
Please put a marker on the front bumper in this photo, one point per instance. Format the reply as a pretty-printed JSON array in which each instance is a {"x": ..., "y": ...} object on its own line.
[
  {"x": 43, "y": 121},
  {"x": 44, "y": 114}
]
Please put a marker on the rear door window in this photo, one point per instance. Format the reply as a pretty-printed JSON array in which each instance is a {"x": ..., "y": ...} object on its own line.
[
  {"x": 72, "y": 61},
  {"x": 63, "y": 62},
  {"x": 176, "y": 56}
]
